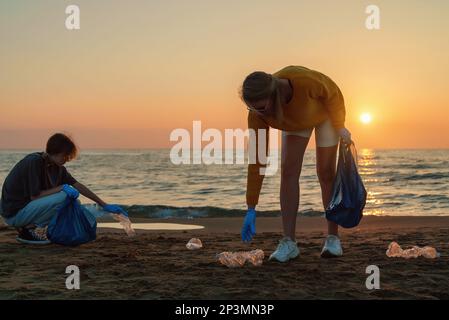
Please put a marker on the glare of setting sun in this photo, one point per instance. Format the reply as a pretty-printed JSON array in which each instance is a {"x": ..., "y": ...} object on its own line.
[{"x": 366, "y": 118}]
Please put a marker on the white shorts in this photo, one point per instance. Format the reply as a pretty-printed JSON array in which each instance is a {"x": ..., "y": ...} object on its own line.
[{"x": 325, "y": 134}]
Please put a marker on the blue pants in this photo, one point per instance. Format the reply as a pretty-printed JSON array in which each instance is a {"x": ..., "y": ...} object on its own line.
[{"x": 39, "y": 212}]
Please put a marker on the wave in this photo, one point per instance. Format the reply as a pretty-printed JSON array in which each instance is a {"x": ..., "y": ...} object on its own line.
[
  {"x": 170, "y": 212},
  {"x": 433, "y": 176},
  {"x": 434, "y": 197}
]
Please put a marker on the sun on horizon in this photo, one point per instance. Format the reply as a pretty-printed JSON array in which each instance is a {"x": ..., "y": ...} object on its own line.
[{"x": 366, "y": 118}]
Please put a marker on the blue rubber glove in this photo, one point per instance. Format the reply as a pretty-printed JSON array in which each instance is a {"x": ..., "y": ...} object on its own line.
[
  {"x": 115, "y": 209},
  {"x": 249, "y": 225},
  {"x": 70, "y": 191}
]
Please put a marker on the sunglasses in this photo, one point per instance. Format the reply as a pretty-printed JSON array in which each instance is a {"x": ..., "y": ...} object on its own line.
[{"x": 264, "y": 108}]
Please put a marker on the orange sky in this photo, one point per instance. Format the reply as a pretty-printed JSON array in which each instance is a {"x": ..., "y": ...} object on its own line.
[{"x": 138, "y": 69}]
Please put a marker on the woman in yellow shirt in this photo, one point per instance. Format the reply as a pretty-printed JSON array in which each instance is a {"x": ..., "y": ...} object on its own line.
[{"x": 295, "y": 100}]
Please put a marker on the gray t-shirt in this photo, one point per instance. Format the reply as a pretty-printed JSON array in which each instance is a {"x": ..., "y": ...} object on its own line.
[{"x": 29, "y": 177}]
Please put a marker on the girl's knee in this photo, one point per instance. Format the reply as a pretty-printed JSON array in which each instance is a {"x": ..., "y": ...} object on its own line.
[{"x": 60, "y": 197}]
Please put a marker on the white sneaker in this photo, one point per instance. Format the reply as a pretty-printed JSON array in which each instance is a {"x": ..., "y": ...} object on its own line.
[
  {"x": 286, "y": 250},
  {"x": 332, "y": 247}
]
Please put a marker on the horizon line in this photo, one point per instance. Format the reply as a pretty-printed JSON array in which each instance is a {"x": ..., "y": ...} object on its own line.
[{"x": 168, "y": 148}]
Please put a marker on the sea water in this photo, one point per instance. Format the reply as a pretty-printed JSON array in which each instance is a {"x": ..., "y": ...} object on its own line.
[{"x": 399, "y": 182}]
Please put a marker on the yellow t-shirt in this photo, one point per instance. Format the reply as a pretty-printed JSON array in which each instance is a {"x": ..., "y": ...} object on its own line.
[{"x": 315, "y": 99}]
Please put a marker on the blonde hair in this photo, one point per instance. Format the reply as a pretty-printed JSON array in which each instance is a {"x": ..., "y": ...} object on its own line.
[{"x": 260, "y": 85}]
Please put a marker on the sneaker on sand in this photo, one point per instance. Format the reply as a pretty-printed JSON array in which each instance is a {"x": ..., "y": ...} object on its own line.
[
  {"x": 332, "y": 247},
  {"x": 33, "y": 236},
  {"x": 286, "y": 250}
]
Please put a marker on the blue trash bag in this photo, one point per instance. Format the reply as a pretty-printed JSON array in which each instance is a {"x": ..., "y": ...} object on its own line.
[
  {"x": 349, "y": 194},
  {"x": 72, "y": 225}
]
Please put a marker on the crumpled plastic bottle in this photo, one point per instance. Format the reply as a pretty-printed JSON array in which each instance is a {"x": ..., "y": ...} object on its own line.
[
  {"x": 194, "y": 244},
  {"x": 395, "y": 251},
  {"x": 238, "y": 259}
]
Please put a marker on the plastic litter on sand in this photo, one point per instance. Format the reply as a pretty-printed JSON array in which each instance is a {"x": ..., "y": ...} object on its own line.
[
  {"x": 98, "y": 212},
  {"x": 238, "y": 259},
  {"x": 125, "y": 223},
  {"x": 395, "y": 251},
  {"x": 194, "y": 244}
]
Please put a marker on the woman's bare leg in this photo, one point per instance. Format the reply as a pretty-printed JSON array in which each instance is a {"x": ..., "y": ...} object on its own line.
[
  {"x": 326, "y": 158},
  {"x": 293, "y": 149}
]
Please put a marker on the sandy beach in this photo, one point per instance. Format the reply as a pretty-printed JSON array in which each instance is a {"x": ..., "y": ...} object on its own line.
[{"x": 157, "y": 265}]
